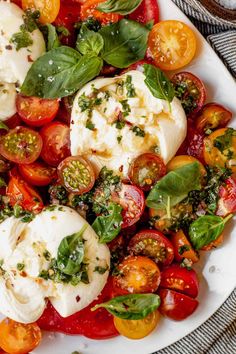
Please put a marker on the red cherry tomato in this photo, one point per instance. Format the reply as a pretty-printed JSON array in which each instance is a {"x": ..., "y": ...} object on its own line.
[
  {"x": 152, "y": 244},
  {"x": 36, "y": 111},
  {"x": 213, "y": 116},
  {"x": 147, "y": 11},
  {"x": 89, "y": 9},
  {"x": 138, "y": 66},
  {"x": 227, "y": 201},
  {"x": 21, "y": 193},
  {"x": 38, "y": 173},
  {"x": 183, "y": 248},
  {"x": 175, "y": 305},
  {"x": 191, "y": 92},
  {"x": 14, "y": 121},
  {"x": 95, "y": 325},
  {"x": 21, "y": 145},
  {"x": 180, "y": 279},
  {"x": 195, "y": 143},
  {"x": 56, "y": 141},
  {"x": 146, "y": 170}
]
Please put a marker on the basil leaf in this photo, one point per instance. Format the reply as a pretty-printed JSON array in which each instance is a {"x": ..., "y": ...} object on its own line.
[
  {"x": 70, "y": 253},
  {"x": 59, "y": 73},
  {"x": 89, "y": 42},
  {"x": 125, "y": 42},
  {"x": 107, "y": 227},
  {"x": 3, "y": 126},
  {"x": 131, "y": 307},
  {"x": 206, "y": 229},
  {"x": 174, "y": 187},
  {"x": 53, "y": 40},
  {"x": 159, "y": 85},
  {"x": 122, "y": 7}
]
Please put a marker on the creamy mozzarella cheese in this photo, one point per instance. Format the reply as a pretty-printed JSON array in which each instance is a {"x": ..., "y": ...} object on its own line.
[
  {"x": 7, "y": 100},
  {"x": 106, "y": 145},
  {"x": 23, "y": 292}
]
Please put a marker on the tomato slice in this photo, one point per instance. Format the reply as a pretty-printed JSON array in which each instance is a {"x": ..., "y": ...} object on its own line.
[
  {"x": 137, "y": 275},
  {"x": 19, "y": 338},
  {"x": 38, "y": 173},
  {"x": 227, "y": 201},
  {"x": 213, "y": 116},
  {"x": 21, "y": 145},
  {"x": 48, "y": 9},
  {"x": 56, "y": 142},
  {"x": 88, "y": 9},
  {"x": 194, "y": 143},
  {"x": 36, "y": 111},
  {"x": 21, "y": 193},
  {"x": 147, "y": 11},
  {"x": 76, "y": 174},
  {"x": 183, "y": 248},
  {"x": 180, "y": 279},
  {"x": 190, "y": 90},
  {"x": 214, "y": 244},
  {"x": 146, "y": 170},
  {"x": 172, "y": 44},
  {"x": 175, "y": 305},
  {"x": 13, "y": 121},
  {"x": 152, "y": 244}
]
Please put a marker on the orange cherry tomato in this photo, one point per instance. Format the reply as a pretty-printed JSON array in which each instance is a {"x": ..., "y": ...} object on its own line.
[
  {"x": 88, "y": 9},
  {"x": 183, "y": 248},
  {"x": 213, "y": 116},
  {"x": 19, "y": 338},
  {"x": 214, "y": 244},
  {"x": 137, "y": 275},
  {"x": 48, "y": 9},
  {"x": 172, "y": 44}
]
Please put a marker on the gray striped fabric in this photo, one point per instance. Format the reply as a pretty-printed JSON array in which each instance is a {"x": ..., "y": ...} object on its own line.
[{"x": 218, "y": 334}]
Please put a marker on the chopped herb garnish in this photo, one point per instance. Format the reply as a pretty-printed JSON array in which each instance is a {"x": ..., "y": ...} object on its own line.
[
  {"x": 120, "y": 124},
  {"x": 63, "y": 30},
  {"x": 20, "y": 266},
  {"x": 90, "y": 125},
  {"x": 47, "y": 255},
  {"x": 125, "y": 108},
  {"x": 120, "y": 88},
  {"x": 21, "y": 40},
  {"x": 138, "y": 131},
  {"x": 183, "y": 249},
  {"x": 119, "y": 138},
  {"x": 130, "y": 87},
  {"x": 224, "y": 143},
  {"x": 101, "y": 270}
]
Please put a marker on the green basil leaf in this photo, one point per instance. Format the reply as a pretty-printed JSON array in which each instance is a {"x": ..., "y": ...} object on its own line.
[
  {"x": 131, "y": 307},
  {"x": 53, "y": 40},
  {"x": 206, "y": 229},
  {"x": 59, "y": 73},
  {"x": 107, "y": 227},
  {"x": 3, "y": 126},
  {"x": 89, "y": 42},
  {"x": 2, "y": 182},
  {"x": 174, "y": 187},
  {"x": 159, "y": 85},
  {"x": 70, "y": 253},
  {"x": 125, "y": 42},
  {"x": 122, "y": 7}
]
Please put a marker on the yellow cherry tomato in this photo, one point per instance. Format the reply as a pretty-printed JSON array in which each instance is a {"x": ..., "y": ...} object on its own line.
[
  {"x": 172, "y": 44},
  {"x": 137, "y": 329},
  {"x": 182, "y": 160},
  {"x": 48, "y": 9}
]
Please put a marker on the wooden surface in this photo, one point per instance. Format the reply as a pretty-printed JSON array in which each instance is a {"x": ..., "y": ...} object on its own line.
[{"x": 218, "y": 10}]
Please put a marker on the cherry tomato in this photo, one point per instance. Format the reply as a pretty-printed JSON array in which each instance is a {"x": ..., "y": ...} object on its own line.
[
  {"x": 36, "y": 111},
  {"x": 21, "y": 145},
  {"x": 137, "y": 329},
  {"x": 108, "y": 70},
  {"x": 38, "y": 173},
  {"x": 175, "y": 305},
  {"x": 76, "y": 174},
  {"x": 132, "y": 200},
  {"x": 48, "y": 9},
  {"x": 19, "y": 338},
  {"x": 88, "y": 9},
  {"x": 152, "y": 244},
  {"x": 14, "y": 121},
  {"x": 191, "y": 92},
  {"x": 147, "y": 11},
  {"x": 195, "y": 143},
  {"x": 137, "y": 275},
  {"x": 213, "y": 116},
  {"x": 214, "y": 244},
  {"x": 17, "y": 2},
  {"x": 172, "y": 44},
  {"x": 180, "y": 279},
  {"x": 220, "y": 148},
  {"x": 227, "y": 201},
  {"x": 21, "y": 193},
  {"x": 182, "y": 160},
  {"x": 146, "y": 170},
  {"x": 183, "y": 248},
  {"x": 56, "y": 141}
]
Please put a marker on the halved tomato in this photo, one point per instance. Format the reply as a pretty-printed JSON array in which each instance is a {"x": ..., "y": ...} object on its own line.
[
  {"x": 146, "y": 170},
  {"x": 48, "y": 9},
  {"x": 172, "y": 44},
  {"x": 89, "y": 9},
  {"x": 183, "y": 248},
  {"x": 38, "y": 173},
  {"x": 214, "y": 244},
  {"x": 147, "y": 11},
  {"x": 175, "y": 305},
  {"x": 195, "y": 143},
  {"x": 152, "y": 244},
  {"x": 213, "y": 116},
  {"x": 56, "y": 142},
  {"x": 21, "y": 145},
  {"x": 36, "y": 111},
  {"x": 13, "y": 121},
  {"x": 137, "y": 275},
  {"x": 227, "y": 201},
  {"x": 180, "y": 279},
  {"x": 190, "y": 90}
]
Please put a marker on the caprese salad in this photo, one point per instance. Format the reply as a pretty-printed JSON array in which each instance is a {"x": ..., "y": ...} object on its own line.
[{"x": 114, "y": 172}]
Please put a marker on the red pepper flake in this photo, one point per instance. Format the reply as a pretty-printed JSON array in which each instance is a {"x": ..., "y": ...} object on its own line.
[
  {"x": 77, "y": 298},
  {"x": 8, "y": 47},
  {"x": 30, "y": 60}
]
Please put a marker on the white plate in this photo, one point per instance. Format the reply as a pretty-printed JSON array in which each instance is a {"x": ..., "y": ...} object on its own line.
[{"x": 217, "y": 270}]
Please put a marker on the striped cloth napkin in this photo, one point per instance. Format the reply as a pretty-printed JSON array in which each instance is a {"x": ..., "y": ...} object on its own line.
[{"x": 218, "y": 334}]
